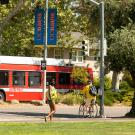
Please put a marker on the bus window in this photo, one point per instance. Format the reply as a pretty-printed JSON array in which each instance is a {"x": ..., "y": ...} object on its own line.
[
  {"x": 18, "y": 78},
  {"x": 64, "y": 78},
  {"x": 77, "y": 82},
  {"x": 4, "y": 77},
  {"x": 34, "y": 79},
  {"x": 50, "y": 76}
]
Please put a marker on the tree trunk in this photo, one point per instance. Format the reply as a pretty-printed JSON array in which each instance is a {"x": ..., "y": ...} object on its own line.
[
  {"x": 115, "y": 81},
  {"x": 132, "y": 111}
]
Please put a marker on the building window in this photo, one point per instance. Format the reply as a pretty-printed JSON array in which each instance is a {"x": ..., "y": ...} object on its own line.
[
  {"x": 57, "y": 53},
  {"x": 77, "y": 56}
]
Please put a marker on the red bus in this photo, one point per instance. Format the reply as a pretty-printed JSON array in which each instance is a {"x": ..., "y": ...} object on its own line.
[{"x": 21, "y": 78}]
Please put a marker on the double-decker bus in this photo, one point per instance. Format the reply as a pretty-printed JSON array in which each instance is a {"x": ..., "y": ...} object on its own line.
[{"x": 21, "y": 78}]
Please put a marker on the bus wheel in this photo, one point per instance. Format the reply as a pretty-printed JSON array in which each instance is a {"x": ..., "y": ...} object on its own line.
[{"x": 2, "y": 96}]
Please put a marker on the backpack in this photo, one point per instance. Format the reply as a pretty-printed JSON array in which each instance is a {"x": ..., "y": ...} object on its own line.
[{"x": 93, "y": 91}]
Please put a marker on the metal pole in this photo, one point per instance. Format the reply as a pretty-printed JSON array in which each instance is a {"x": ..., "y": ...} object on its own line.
[
  {"x": 45, "y": 49},
  {"x": 102, "y": 58},
  {"x": 101, "y": 6}
]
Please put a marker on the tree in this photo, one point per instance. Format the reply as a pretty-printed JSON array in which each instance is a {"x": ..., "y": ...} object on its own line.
[
  {"x": 121, "y": 54},
  {"x": 119, "y": 34},
  {"x": 80, "y": 75},
  {"x": 17, "y": 27}
]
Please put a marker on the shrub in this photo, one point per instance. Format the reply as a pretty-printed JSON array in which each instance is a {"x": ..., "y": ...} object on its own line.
[
  {"x": 125, "y": 95},
  {"x": 125, "y": 85},
  {"x": 128, "y": 78},
  {"x": 108, "y": 102},
  {"x": 108, "y": 98},
  {"x": 96, "y": 82},
  {"x": 59, "y": 98},
  {"x": 80, "y": 75},
  {"x": 71, "y": 99},
  {"x": 127, "y": 98},
  {"x": 108, "y": 83}
]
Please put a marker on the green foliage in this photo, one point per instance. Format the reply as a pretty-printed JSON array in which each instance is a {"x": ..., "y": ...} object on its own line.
[
  {"x": 108, "y": 83},
  {"x": 17, "y": 27},
  {"x": 59, "y": 98},
  {"x": 108, "y": 100},
  {"x": 128, "y": 78},
  {"x": 71, "y": 99},
  {"x": 96, "y": 82},
  {"x": 121, "y": 56},
  {"x": 17, "y": 33},
  {"x": 125, "y": 85},
  {"x": 120, "y": 17},
  {"x": 127, "y": 99},
  {"x": 80, "y": 75},
  {"x": 126, "y": 92},
  {"x": 121, "y": 52},
  {"x": 124, "y": 96}
]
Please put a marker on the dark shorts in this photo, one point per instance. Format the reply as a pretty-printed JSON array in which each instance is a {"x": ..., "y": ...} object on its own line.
[
  {"x": 52, "y": 105},
  {"x": 50, "y": 102}
]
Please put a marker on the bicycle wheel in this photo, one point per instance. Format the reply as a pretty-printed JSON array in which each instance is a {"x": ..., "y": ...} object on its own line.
[
  {"x": 93, "y": 111},
  {"x": 82, "y": 110}
]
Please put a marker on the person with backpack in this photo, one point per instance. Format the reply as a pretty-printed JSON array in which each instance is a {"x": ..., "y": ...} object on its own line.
[
  {"x": 89, "y": 92},
  {"x": 51, "y": 96}
]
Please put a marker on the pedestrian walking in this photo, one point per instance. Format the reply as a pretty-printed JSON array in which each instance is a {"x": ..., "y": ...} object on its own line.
[{"x": 51, "y": 96}]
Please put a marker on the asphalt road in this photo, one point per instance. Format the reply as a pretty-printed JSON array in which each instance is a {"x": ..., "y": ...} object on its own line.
[{"x": 31, "y": 113}]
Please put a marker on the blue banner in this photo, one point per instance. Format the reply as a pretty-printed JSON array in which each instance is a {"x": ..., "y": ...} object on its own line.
[
  {"x": 52, "y": 27},
  {"x": 39, "y": 26}
]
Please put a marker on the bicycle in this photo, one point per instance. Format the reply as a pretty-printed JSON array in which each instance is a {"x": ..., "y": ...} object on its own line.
[{"x": 88, "y": 110}]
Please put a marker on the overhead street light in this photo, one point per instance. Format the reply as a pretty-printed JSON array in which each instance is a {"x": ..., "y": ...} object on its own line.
[
  {"x": 101, "y": 7},
  {"x": 94, "y": 2}
]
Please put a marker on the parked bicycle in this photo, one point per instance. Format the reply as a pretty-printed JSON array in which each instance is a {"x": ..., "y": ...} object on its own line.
[{"x": 88, "y": 110}]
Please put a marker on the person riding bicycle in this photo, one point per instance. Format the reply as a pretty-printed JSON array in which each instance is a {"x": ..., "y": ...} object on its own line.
[{"x": 90, "y": 98}]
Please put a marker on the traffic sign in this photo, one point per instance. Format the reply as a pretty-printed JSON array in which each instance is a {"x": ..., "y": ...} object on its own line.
[{"x": 43, "y": 65}]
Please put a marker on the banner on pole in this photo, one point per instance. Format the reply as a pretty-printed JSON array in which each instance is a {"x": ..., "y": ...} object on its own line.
[
  {"x": 52, "y": 27},
  {"x": 39, "y": 26}
]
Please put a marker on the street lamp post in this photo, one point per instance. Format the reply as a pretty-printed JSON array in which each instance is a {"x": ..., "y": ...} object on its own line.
[
  {"x": 45, "y": 48},
  {"x": 101, "y": 6},
  {"x": 102, "y": 58}
]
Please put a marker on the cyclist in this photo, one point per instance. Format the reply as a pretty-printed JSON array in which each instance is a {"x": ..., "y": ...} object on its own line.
[{"x": 89, "y": 98}]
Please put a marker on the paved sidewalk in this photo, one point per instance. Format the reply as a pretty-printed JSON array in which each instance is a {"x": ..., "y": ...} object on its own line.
[{"x": 32, "y": 113}]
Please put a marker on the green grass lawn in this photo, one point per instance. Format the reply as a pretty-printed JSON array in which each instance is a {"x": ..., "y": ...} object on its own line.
[{"x": 68, "y": 128}]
